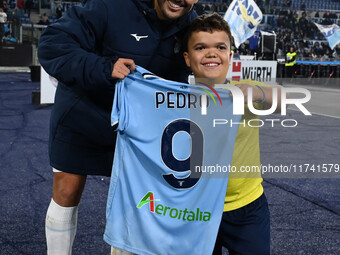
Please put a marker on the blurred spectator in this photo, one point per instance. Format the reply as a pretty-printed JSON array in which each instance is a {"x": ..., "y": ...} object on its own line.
[
  {"x": 16, "y": 14},
  {"x": 59, "y": 11},
  {"x": 332, "y": 15},
  {"x": 317, "y": 15},
  {"x": 9, "y": 39},
  {"x": 303, "y": 23},
  {"x": 327, "y": 21},
  {"x": 306, "y": 53},
  {"x": 319, "y": 51},
  {"x": 314, "y": 55},
  {"x": 283, "y": 12},
  {"x": 4, "y": 5},
  {"x": 20, "y": 4},
  {"x": 224, "y": 7},
  {"x": 336, "y": 52},
  {"x": 326, "y": 47},
  {"x": 14, "y": 21},
  {"x": 335, "y": 55},
  {"x": 290, "y": 62},
  {"x": 3, "y": 20},
  {"x": 327, "y": 55},
  {"x": 236, "y": 55},
  {"x": 213, "y": 7},
  {"x": 28, "y": 7},
  {"x": 44, "y": 20},
  {"x": 243, "y": 49}
]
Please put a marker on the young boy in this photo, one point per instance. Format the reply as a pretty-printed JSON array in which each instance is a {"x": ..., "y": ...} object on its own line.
[{"x": 245, "y": 225}]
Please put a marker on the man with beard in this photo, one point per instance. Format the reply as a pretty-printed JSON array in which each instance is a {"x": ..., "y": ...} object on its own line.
[{"x": 87, "y": 50}]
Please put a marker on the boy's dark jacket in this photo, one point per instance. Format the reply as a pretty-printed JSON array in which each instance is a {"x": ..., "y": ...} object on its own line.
[{"x": 79, "y": 50}]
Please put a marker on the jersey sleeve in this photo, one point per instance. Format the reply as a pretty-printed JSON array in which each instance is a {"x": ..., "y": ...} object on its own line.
[{"x": 120, "y": 113}]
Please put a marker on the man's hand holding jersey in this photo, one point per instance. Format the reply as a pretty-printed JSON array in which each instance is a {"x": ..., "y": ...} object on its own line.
[{"x": 122, "y": 68}]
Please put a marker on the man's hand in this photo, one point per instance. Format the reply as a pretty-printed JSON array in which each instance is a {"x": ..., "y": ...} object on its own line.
[{"x": 122, "y": 68}]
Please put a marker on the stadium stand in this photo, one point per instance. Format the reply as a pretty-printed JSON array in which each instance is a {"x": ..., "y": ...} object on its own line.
[{"x": 292, "y": 22}]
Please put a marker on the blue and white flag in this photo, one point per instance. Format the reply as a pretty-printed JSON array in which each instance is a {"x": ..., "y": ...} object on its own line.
[
  {"x": 243, "y": 17},
  {"x": 331, "y": 33}
]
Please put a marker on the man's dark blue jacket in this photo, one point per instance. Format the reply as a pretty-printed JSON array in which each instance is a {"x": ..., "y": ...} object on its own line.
[{"x": 79, "y": 50}]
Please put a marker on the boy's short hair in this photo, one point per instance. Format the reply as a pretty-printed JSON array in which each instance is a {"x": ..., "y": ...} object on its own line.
[{"x": 207, "y": 23}]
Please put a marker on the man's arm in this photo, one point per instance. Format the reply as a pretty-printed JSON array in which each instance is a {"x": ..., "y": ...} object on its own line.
[
  {"x": 68, "y": 49},
  {"x": 262, "y": 94},
  {"x": 268, "y": 90}
]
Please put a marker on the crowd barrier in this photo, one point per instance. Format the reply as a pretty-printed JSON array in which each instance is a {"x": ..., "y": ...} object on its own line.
[{"x": 312, "y": 69}]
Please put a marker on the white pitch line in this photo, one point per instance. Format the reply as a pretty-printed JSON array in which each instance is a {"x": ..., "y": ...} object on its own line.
[{"x": 321, "y": 114}]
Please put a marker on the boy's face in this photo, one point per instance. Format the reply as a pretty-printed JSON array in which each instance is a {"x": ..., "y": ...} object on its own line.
[
  {"x": 208, "y": 54},
  {"x": 173, "y": 9}
]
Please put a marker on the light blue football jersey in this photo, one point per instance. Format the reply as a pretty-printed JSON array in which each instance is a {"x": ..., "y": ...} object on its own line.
[{"x": 170, "y": 169}]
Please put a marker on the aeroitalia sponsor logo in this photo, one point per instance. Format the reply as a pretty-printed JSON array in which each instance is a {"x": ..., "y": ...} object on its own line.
[
  {"x": 173, "y": 212},
  {"x": 148, "y": 198}
]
